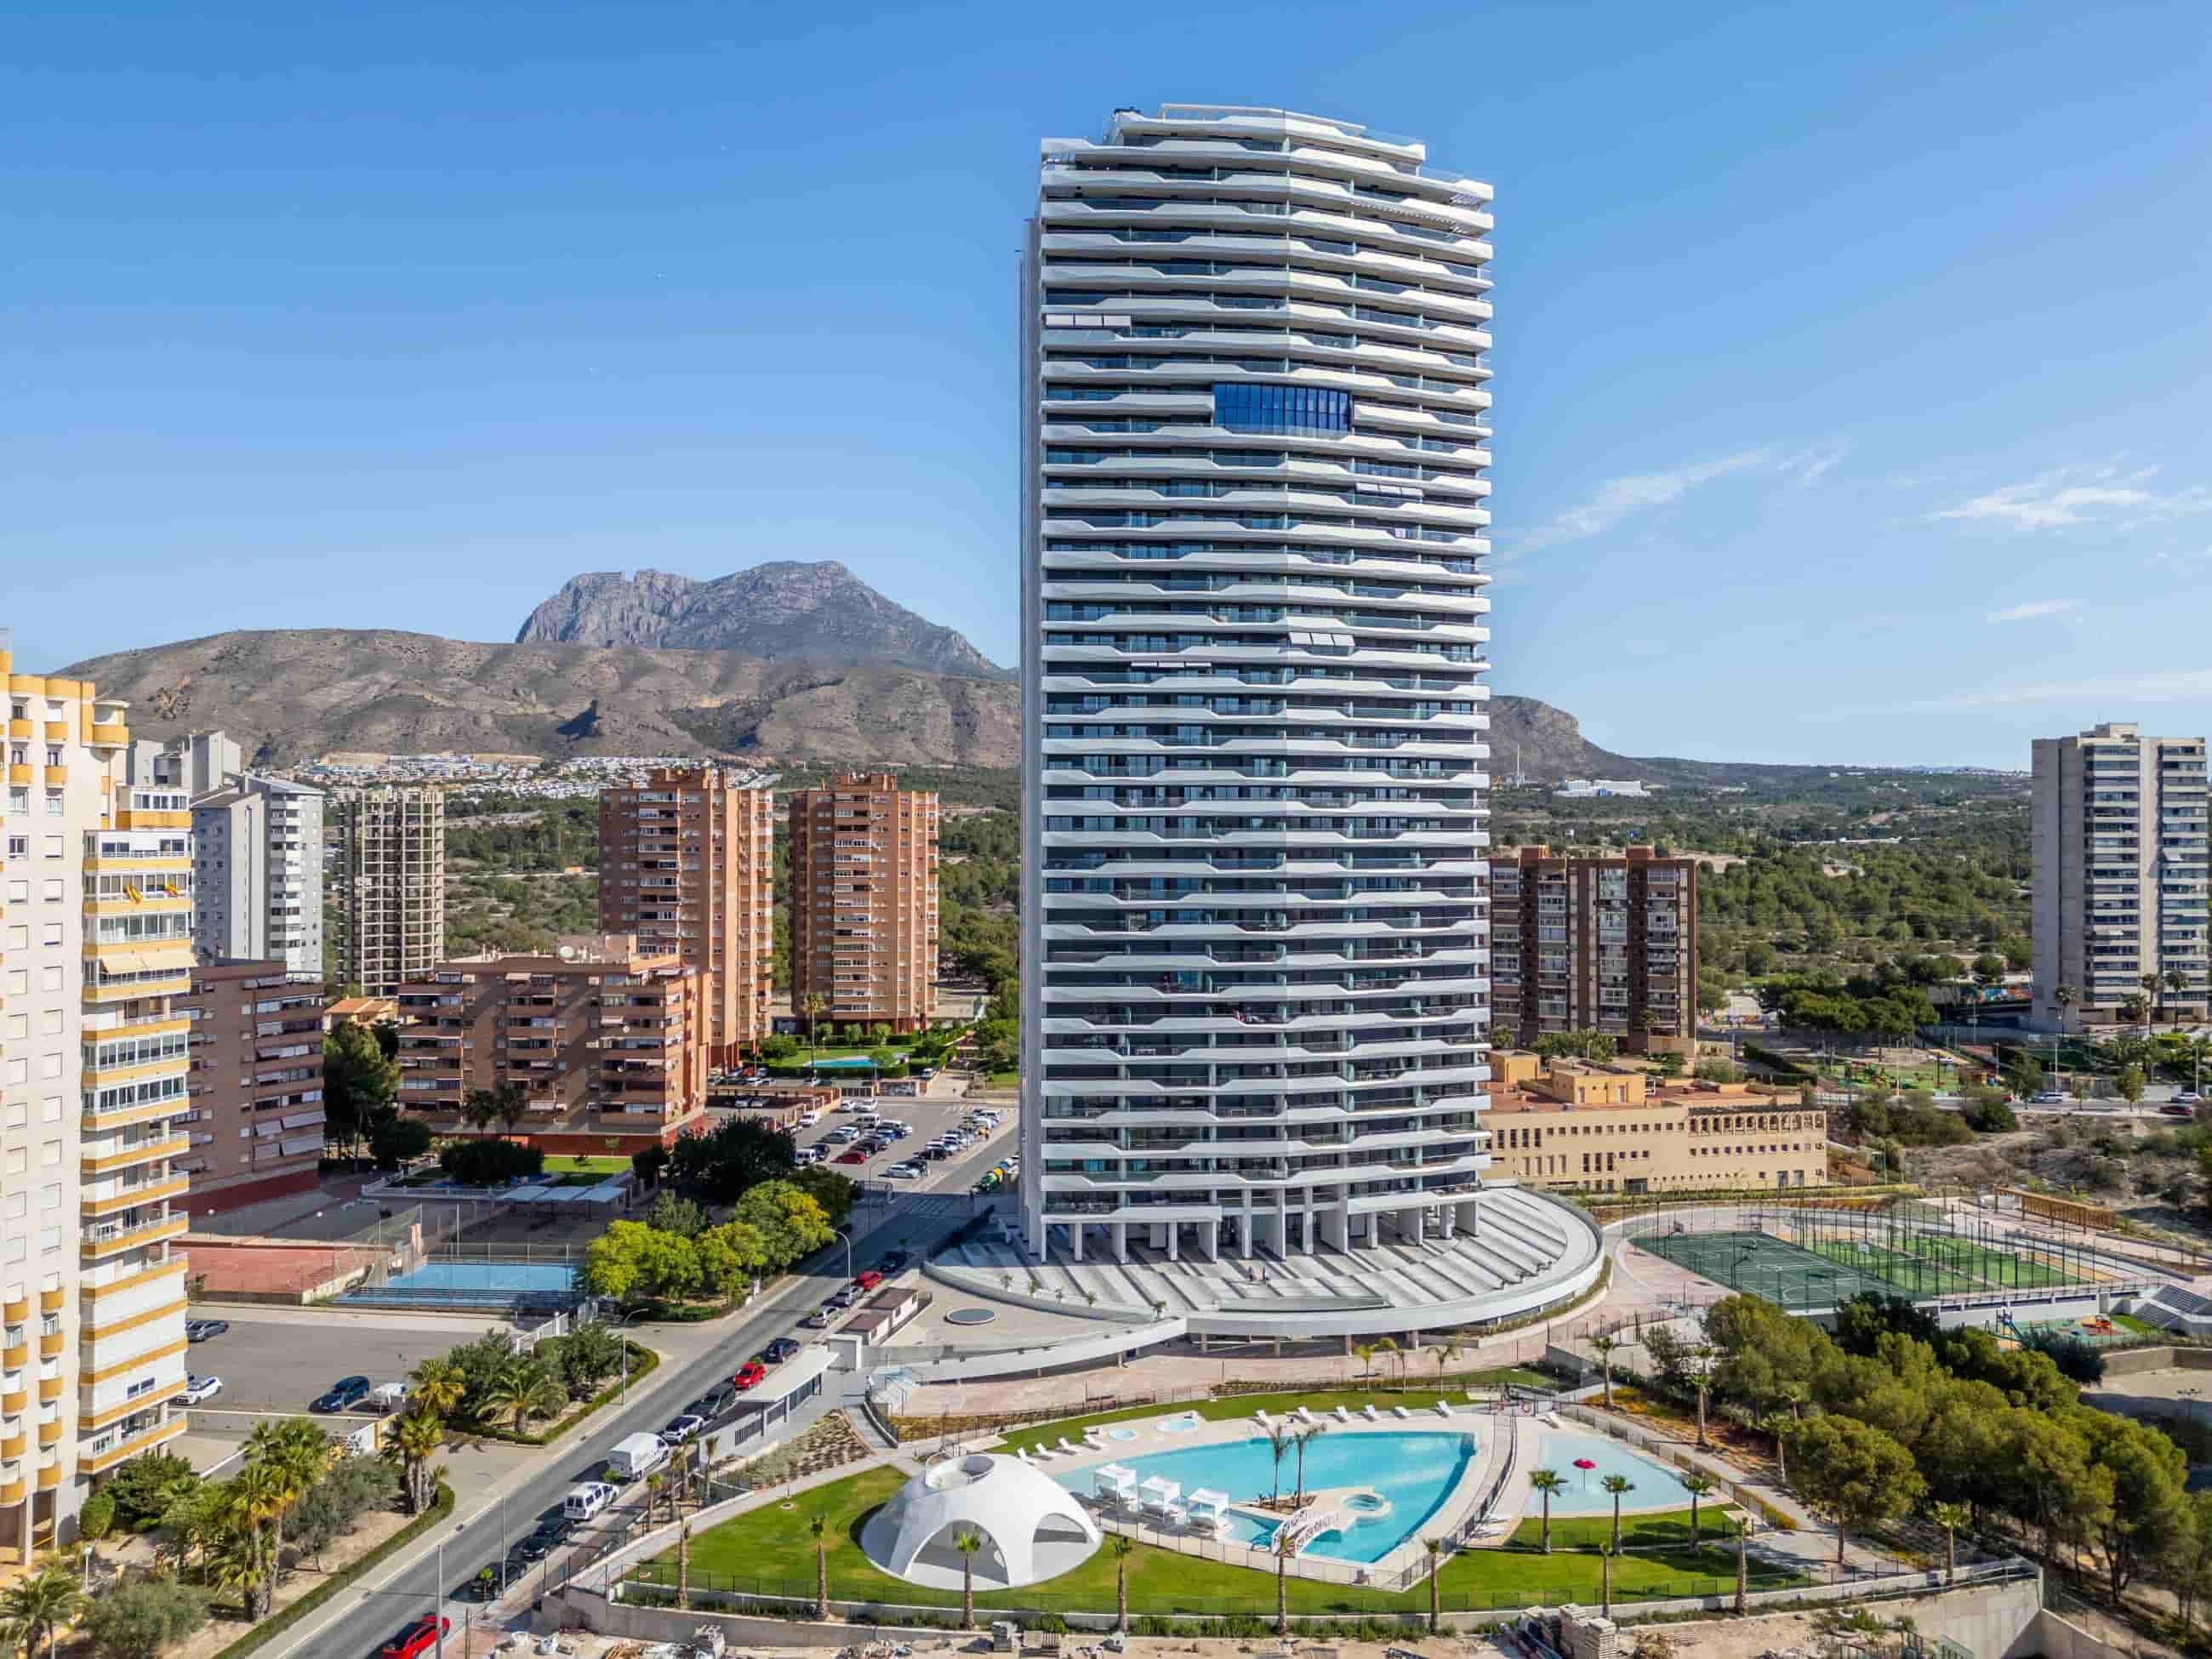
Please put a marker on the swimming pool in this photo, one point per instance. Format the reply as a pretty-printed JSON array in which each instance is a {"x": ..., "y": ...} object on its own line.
[
  {"x": 1657, "y": 1486},
  {"x": 1410, "y": 1473}
]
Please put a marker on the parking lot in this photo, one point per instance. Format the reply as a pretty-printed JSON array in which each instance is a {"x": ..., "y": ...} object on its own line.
[
  {"x": 938, "y": 1110},
  {"x": 280, "y": 1359}
]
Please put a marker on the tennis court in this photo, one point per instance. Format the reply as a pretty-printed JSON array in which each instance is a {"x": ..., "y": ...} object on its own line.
[
  {"x": 1763, "y": 1266},
  {"x": 502, "y": 1285}
]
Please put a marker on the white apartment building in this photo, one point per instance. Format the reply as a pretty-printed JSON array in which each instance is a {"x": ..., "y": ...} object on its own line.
[
  {"x": 95, "y": 930},
  {"x": 2119, "y": 843},
  {"x": 1255, "y": 411},
  {"x": 257, "y": 869}
]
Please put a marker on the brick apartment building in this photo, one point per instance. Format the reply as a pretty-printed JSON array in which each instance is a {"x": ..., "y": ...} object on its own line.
[
  {"x": 687, "y": 864},
  {"x": 863, "y": 900},
  {"x": 1595, "y": 943},
  {"x": 1612, "y": 1129},
  {"x": 607, "y": 1039},
  {"x": 256, "y": 1083}
]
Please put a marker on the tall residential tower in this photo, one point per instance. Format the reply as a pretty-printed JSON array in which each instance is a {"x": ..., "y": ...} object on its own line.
[
  {"x": 2119, "y": 839},
  {"x": 258, "y": 856},
  {"x": 391, "y": 873},
  {"x": 863, "y": 901},
  {"x": 1254, "y": 409},
  {"x": 687, "y": 867},
  {"x": 95, "y": 941}
]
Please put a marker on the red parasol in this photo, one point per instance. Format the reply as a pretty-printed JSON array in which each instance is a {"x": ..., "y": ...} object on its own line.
[{"x": 1585, "y": 1463}]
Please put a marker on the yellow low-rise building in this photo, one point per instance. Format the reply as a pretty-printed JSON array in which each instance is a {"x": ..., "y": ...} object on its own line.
[{"x": 1573, "y": 1124}]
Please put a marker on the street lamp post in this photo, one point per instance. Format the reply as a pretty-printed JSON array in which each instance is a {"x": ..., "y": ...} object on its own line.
[
  {"x": 437, "y": 1604},
  {"x": 634, "y": 1313},
  {"x": 848, "y": 1237}
]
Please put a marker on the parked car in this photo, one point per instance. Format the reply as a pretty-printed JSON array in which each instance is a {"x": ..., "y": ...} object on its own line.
[
  {"x": 823, "y": 1317},
  {"x": 2049, "y": 1097},
  {"x": 936, "y": 1154},
  {"x": 2175, "y": 1109},
  {"x": 843, "y": 1299},
  {"x": 199, "y": 1330},
  {"x": 417, "y": 1638},
  {"x": 781, "y": 1349},
  {"x": 856, "y": 1156},
  {"x": 197, "y": 1388},
  {"x": 548, "y": 1537},
  {"x": 681, "y": 1429},
  {"x": 713, "y": 1403},
  {"x": 341, "y": 1395},
  {"x": 808, "y": 1120},
  {"x": 2189, "y": 1097},
  {"x": 637, "y": 1455},
  {"x": 492, "y": 1581},
  {"x": 903, "y": 1172},
  {"x": 893, "y": 1260},
  {"x": 867, "y": 1278},
  {"x": 749, "y": 1375},
  {"x": 587, "y": 1498}
]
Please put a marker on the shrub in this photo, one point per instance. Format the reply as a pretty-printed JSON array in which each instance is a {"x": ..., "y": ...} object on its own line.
[
  {"x": 490, "y": 1163},
  {"x": 136, "y": 1488},
  {"x": 397, "y": 1140},
  {"x": 97, "y": 1518},
  {"x": 138, "y": 1620}
]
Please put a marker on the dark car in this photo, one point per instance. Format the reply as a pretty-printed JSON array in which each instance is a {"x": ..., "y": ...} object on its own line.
[
  {"x": 749, "y": 1375},
  {"x": 492, "y": 1581},
  {"x": 549, "y": 1536},
  {"x": 343, "y": 1394},
  {"x": 418, "y": 1638},
  {"x": 777, "y": 1351},
  {"x": 713, "y": 1403},
  {"x": 935, "y": 1154},
  {"x": 893, "y": 1260},
  {"x": 199, "y": 1330}
]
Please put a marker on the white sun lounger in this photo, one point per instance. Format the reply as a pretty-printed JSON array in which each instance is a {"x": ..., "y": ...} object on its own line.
[
  {"x": 1070, "y": 1447},
  {"x": 1443, "y": 1408},
  {"x": 1343, "y": 1414},
  {"x": 1261, "y": 1416},
  {"x": 1043, "y": 1450},
  {"x": 1371, "y": 1413},
  {"x": 1403, "y": 1412},
  {"x": 1306, "y": 1414}
]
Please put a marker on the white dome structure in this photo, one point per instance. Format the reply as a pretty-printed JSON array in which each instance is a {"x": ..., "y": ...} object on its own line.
[{"x": 1031, "y": 1526}]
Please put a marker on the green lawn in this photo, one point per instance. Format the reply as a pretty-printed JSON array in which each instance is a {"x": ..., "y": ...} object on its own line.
[
  {"x": 1418, "y": 1397},
  {"x": 768, "y": 1552},
  {"x": 1663, "y": 1528},
  {"x": 1005, "y": 1079},
  {"x": 580, "y": 1165}
]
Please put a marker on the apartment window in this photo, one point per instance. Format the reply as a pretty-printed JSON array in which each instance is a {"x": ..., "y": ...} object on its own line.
[{"x": 1288, "y": 409}]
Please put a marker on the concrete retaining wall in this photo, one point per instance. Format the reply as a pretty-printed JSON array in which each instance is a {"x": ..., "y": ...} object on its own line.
[
  {"x": 2053, "y": 1637},
  {"x": 2133, "y": 1362}
]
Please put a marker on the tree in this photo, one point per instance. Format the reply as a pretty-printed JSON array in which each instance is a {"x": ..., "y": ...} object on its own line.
[
  {"x": 813, "y": 1004},
  {"x": 729, "y": 1255},
  {"x": 2148, "y": 1516},
  {"x": 296, "y": 1454},
  {"x": 238, "y": 1570},
  {"x": 1305, "y": 1433},
  {"x": 360, "y": 1084},
  {"x": 1434, "y": 1549},
  {"x": 490, "y": 1163},
  {"x": 479, "y": 1110},
  {"x": 1602, "y": 1346},
  {"x": 1702, "y": 1359},
  {"x": 138, "y": 1620},
  {"x": 1285, "y": 1547},
  {"x": 836, "y": 1193},
  {"x": 440, "y": 1385},
  {"x": 1952, "y": 1516},
  {"x": 414, "y": 1442},
  {"x": 397, "y": 1141},
  {"x": 1618, "y": 1485},
  {"x": 33, "y": 1607},
  {"x": 1279, "y": 1437},
  {"x": 588, "y": 1356},
  {"x": 790, "y": 1222},
  {"x": 735, "y": 1155},
  {"x": 631, "y": 1261},
  {"x": 1445, "y": 1351},
  {"x": 1544, "y": 1482},
  {"x": 97, "y": 1518},
  {"x": 1988, "y": 970},
  {"x": 818, "y": 1529},
  {"x": 2129, "y": 1083},
  {"x": 1700, "y": 1487},
  {"x": 967, "y": 1541},
  {"x": 1123, "y": 1546},
  {"x": 670, "y": 1214},
  {"x": 524, "y": 1389},
  {"x": 647, "y": 1163},
  {"x": 1854, "y": 1475},
  {"x": 2065, "y": 996},
  {"x": 140, "y": 1487}
]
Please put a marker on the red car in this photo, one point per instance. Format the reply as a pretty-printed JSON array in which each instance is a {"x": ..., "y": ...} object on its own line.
[
  {"x": 869, "y": 1280},
  {"x": 750, "y": 1375},
  {"x": 417, "y": 1639},
  {"x": 856, "y": 1156}
]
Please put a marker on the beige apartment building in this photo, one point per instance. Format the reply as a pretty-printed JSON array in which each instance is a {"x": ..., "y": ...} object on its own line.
[
  {"x": 863, "y": 900},
  {"x": 391, "y": 875},
  {"x": 606, "y": 1040},
  {"x": 2117, "y": 834},
  {"x": 256, "y": 1122},
  {"x": 1611, "y": 1129},
  {"x": 686, "y": 864},
  {"x": 1595, "y": 943},
  {"x": 95, "y": 945}
]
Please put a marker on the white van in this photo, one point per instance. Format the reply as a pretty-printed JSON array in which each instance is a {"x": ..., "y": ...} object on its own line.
[
  {"x": 637, "y": 1455},
  {"x": 586, "y": 1500}
]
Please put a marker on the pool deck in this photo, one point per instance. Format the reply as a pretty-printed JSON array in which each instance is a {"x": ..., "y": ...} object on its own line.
[{"x": 1456, "y": 1509}]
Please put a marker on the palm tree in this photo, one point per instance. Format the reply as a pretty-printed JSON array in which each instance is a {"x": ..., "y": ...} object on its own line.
[
  {"x": 1951, "y": 1518},
  {"x": 818, "y": 1530},
  {"x": 35, "y": 1606},
  {"x": 2065, "y": 996},
  {"x": 1434, "y": 1547},
  {"x": 813, "y": 1004},
  {"x": 684, "y": 1567},
  {"x": 1284, "y": 1549},
  {"x": 191, "y": 1515},
  {"x": 511, "y": 1101},
  {"x": 1602, "y": 1346},
  {"x": 1605, "y": 1566},
  {"x": 416, "y": 1441},
  {"x": 1386, "y": 1347},
  {"x": 479, "y": 1110},
  {"x": 1617, "y": 1484},
  {"x": 1279, "y": 1437},
  {"x": 298, "y": 1454},
  {"x": 237, "y": 1572},
  {"x": 1123, "y": 1546},
  {"x": 1700, "y": 1487},
  {"x": 1366, "y": 1351},
  {"x": 2156, "y": 986},
  {"x": 967, "y": 1541},
  {"x": 1742, "y": 1569},
  {"x": 652, "y": 1485},
  {"x": 439, "y": 1386},
  {"x": 1779, "y": 1426},
  {"x": 524, "y": 1388},
  {"x": 2176, "y": 982},
  {"x": 1446, "y": 1351},
  {"x": 1547, "y": 1481},
  {"x": 259, "y": 1494},
  {"x": 1701, "y": 1379},
  {"x": 1299, "y": 1435}
]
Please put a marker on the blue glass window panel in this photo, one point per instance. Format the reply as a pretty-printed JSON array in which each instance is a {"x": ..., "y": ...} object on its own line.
[{"x": 1243, "y": 406}]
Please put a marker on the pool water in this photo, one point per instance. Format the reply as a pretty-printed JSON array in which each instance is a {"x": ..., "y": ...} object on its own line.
[
  {"x": 1183, "y": 1425},
  {"x": 1412, "y": 1472},
  {"x": 1657, "y": 1486}
]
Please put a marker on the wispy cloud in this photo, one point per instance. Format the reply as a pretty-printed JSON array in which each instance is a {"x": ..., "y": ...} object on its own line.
[
  {"x": 2032, "y": 609},
  {"x": 2081, "y": 495},
  {"x": 2110, "y": 691},
  {"x": 1619, "y": 499}
]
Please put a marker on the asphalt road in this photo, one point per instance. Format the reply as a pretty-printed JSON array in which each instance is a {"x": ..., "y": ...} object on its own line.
[{"x": 358, "y": 1622}]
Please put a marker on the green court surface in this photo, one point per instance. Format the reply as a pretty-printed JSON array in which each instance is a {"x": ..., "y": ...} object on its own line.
[
  {"x": 1831, "y": 1266},
  {"x": 1913, "y": 1275},
  {"x": 1766, "y": 1267}
]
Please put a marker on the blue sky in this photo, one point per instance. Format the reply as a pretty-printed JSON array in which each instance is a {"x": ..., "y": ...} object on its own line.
[{"x": 1852, "y": 366}]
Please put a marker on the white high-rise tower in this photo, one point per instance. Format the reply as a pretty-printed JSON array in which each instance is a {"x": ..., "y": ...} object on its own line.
[{"x": 1255, "y": 407}]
